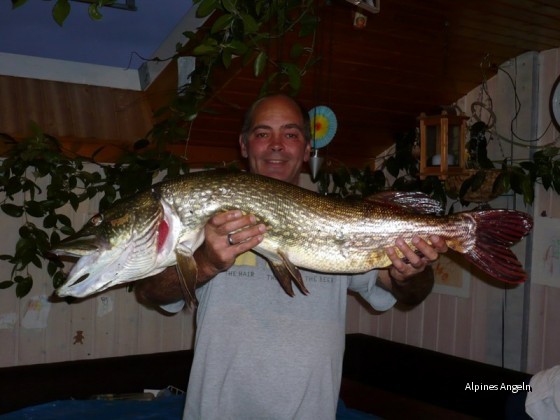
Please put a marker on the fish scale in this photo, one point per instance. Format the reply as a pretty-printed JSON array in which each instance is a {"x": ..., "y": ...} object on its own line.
[{"x": 304, "y": 230}]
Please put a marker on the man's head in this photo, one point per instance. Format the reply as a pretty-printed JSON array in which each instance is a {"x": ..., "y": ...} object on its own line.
[{"x": 276, "y": 137}]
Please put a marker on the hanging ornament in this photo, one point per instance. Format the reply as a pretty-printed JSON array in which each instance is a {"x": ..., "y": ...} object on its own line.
[
  {"x": 323, "y": 126},
  {"x": 315, "y": 163}
]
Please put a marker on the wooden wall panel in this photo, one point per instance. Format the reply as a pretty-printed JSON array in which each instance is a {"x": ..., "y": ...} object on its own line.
[
  {"x": 72, "y": 112},
  {"x": 85, "y": 118}
]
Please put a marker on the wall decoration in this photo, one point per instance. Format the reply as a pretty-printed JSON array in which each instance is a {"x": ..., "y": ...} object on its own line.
[
  {"x": 323, "y": 126},
  {"x": 8, "y": 321},
  {"x": 37, "y": 313},
  {"x": 105, "y": 305},
  {"x": 451, "y": 278}
]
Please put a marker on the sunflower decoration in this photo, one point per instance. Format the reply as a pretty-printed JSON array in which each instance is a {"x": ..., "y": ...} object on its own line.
[{"x": 323, "y": 126}]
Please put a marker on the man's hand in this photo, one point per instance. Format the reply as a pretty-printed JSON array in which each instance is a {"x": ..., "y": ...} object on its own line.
[
  {"x": 226, "y": 236},
  {"x": 407, "y": 278},
  {"x": 401, "y": 270}
]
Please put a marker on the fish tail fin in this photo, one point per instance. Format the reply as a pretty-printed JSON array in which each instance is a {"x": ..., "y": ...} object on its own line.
[{"x": 496, "y": 232}]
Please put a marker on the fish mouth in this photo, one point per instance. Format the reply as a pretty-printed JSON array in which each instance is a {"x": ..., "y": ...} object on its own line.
[
  {"x": 102, "y": 266},
  {"x": 78, "y": 245},
  {"x": 95, "y": 272}
]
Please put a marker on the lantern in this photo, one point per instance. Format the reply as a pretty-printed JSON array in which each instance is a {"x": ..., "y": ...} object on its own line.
[{"x": 442, "y": 145}]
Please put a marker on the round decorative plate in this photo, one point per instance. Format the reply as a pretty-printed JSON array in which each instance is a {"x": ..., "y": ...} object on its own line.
[{"x": 323, "y": 126}]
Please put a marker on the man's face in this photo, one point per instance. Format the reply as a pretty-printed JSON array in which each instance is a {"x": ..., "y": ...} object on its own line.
[{"x": 276, "y": 145}]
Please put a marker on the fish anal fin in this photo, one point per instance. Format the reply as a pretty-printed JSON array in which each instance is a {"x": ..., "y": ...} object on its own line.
[{"x": 188, "y": 271}]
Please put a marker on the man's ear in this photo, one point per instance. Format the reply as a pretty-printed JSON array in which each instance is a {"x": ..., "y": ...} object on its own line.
[
  {"x": 243, "y": 147},
  {"x": 307, "y": 153}
]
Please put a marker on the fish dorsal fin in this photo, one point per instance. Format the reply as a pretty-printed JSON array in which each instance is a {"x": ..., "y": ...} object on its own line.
[
  {"x": 416, "y": 202},
  {"x": 188, "y": 272},
  {"x": 286, "y": 272}
]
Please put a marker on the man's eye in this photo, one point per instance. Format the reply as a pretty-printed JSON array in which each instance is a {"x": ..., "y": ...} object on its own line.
[{"x": 261, "y": 135}]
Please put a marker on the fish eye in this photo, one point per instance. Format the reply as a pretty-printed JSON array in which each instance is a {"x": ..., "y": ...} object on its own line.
[{"x": 97, "y": 219}]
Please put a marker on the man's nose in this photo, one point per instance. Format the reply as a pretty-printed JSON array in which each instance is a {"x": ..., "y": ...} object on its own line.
[{"x": 276, "y": 143}]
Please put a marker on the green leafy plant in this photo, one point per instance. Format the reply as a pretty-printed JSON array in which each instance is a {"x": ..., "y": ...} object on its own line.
[
  {"x": 241, "y": 33},
  {"x": 40, "y": 181},
  {"x": 62, "y": 8},
  {"x": 497, "y": 178},
  {"x": 516, "y": 177},
  {"x": 398, "y": 172}
]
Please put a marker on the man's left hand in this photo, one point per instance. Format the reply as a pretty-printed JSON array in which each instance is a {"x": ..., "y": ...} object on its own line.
[
  {"x": 414, "y": 262},
  {"x": 407, "y": 278}
]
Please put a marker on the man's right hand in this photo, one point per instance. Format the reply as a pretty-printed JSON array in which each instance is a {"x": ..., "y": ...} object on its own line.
[
  {"x": 215, "y": 255},
  {"x": 226, "y": 236}
]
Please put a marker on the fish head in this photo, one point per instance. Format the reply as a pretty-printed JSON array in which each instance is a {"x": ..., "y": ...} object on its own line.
[{"x": 115, "y": 246}]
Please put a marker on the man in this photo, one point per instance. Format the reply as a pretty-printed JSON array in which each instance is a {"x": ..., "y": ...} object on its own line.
[{"x": 260, "y": 353}]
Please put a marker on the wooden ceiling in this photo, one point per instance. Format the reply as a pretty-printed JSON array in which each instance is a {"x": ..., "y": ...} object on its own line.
[{"x": 412, "y": 57}]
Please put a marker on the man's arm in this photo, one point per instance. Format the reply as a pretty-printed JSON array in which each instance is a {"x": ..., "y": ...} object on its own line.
[{"x": 215, "y": 255}]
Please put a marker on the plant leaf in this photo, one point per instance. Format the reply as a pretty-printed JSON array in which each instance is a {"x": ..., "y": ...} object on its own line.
[
  {"x": 5, "y": 284},
  {"x": 18, "y": 3},
  {"x": 60, "y": 11},
  {"x": 260, "y": 63},
  {"x": 12, "y": 210},
  {"x": 249, "y": 24},
  {"x": 24, "y": 286},
  {"x": 221, "y": 23},
  {"x": 93, "y": 12},
  {"x": 206, "y": 7}
]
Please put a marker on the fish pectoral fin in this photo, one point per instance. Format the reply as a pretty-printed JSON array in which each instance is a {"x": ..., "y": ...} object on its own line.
[
  {"x": 283, "y": 276},
  {"x": 188, "y": 272},
  {"x": 286, "y": 272}
]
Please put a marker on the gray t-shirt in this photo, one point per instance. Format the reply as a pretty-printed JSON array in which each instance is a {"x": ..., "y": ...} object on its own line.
[{"x": 261, "y": 354}]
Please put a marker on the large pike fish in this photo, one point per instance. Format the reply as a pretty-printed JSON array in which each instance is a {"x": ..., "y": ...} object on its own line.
[{"x": 142, "y": 235}]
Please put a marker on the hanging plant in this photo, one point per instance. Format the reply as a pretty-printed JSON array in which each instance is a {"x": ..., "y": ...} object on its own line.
[
  {"x": 39, "y": 161},
  {"x": 482, "y": 182},
  {"x": 61, "y": 9},
  {"x": 398, "y": 172},
  {"x": 239, "y": 31}
]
